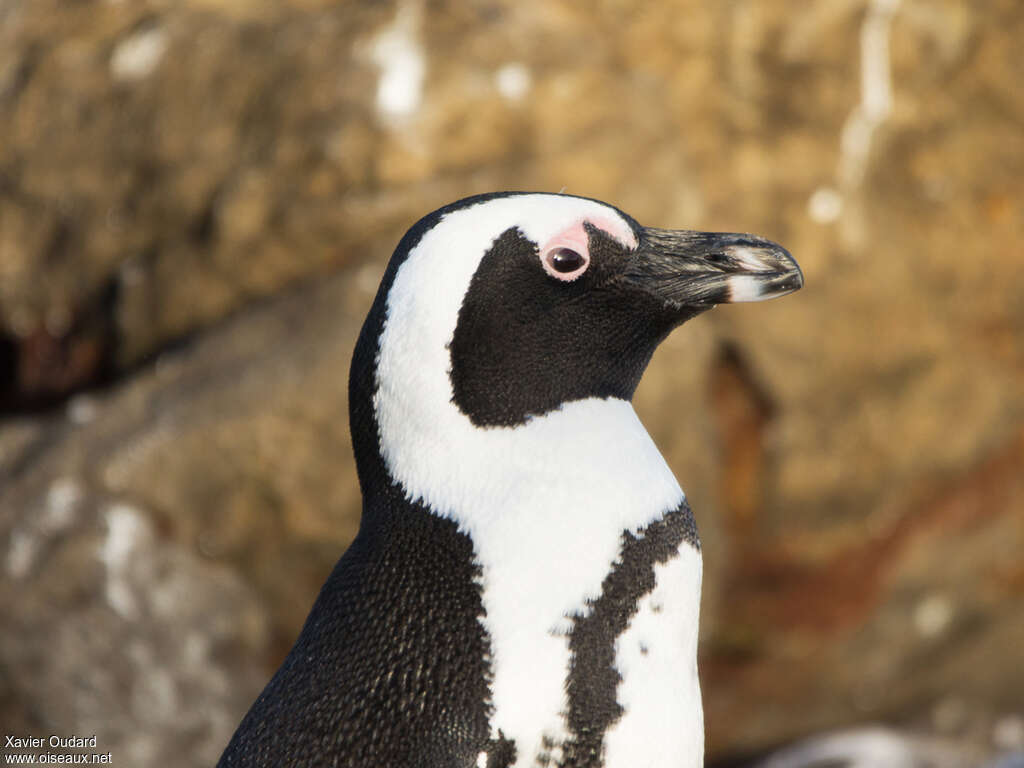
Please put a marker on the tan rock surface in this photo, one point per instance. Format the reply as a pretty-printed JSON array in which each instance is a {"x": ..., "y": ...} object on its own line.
[{"x": 853, "y": 452}]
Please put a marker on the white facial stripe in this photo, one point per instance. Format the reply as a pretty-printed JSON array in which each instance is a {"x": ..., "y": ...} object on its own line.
[
  {"x": 663, "y": 723},
  {"x": 545, "y": 503}
]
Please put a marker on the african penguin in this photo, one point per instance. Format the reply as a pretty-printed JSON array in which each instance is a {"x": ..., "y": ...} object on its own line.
[{"x": 524, "y": 587}]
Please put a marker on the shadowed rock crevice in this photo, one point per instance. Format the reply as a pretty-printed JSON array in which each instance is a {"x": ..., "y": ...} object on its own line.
[
  {"x": 743, "y": 411},
  {"x": 43, "y": 368}
]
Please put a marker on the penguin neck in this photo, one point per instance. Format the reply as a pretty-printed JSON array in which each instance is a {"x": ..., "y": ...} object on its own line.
[
  {"x": 564, "y": 486},
  {"x": 556, "y": 492},
  {"x": 589, "y": 464}
]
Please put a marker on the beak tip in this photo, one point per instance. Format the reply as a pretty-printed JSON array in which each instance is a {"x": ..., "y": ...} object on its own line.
[{"x": 771, "y": 271}]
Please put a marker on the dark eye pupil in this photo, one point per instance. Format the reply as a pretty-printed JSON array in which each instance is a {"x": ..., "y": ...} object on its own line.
[{"x": 566, "y": 260}]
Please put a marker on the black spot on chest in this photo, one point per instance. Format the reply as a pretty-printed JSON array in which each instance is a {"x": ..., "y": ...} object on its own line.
[{"x": 593, "y": 680}]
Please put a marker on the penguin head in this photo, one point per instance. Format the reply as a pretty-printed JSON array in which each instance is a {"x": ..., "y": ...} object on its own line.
[
  {"x": 505, "y": 307},
  {"x": 541, "y": 299}
]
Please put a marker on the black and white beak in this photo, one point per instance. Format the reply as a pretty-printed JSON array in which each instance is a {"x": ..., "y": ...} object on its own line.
[{"x": 701, "y": 269}]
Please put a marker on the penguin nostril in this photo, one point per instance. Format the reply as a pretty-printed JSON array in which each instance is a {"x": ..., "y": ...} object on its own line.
[{"x": 565, "y": 263}]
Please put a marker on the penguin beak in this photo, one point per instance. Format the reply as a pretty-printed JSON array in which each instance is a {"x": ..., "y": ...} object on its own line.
[{"x": 701, "y": 269}]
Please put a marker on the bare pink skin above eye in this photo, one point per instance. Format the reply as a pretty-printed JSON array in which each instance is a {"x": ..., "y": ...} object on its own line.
[{"x": 575, "y": 238}]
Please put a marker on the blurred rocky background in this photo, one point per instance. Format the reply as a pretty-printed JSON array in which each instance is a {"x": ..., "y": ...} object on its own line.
[{"x": 196, "y": 202}]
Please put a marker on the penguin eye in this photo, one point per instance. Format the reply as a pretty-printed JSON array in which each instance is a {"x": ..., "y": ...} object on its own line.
[
  {"x": 565, "y": 260},
  {"x": 565, "y": 263}
]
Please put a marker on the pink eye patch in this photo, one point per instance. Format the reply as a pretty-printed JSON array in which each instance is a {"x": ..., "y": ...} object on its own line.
[{"x": 566, "y": 256}]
